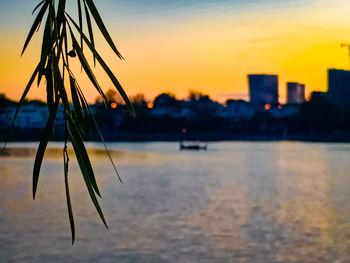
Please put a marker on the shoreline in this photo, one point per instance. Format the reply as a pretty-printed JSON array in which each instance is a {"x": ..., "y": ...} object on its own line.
[{"x": 339, "y": 137}]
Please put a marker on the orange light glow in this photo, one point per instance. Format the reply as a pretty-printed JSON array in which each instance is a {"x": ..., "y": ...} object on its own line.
[
  {"x": 150, "y": 105},
  {"x": 114, "y": 105},
  {"x": 267, "y": 106}
]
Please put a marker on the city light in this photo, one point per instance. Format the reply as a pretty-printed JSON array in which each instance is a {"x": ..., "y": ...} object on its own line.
[
  {"x": 150, "y": 105},
  {"x": 114, "y": 105},
  {"x": 267, "y": 106}
]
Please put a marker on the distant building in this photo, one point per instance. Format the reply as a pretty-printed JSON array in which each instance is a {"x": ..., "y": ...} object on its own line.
[
  {"x": 168, "y": 112},
  {"x": 263, "y": 91},
  {"x": 295, "y": 92},
  {"x": 339, "y": 87},
  {"x": 237, "y": 110},
  {"x": 6, "y": 116},
  {"x": 285, "y": 111},
  {"x": 30, "y": 116}
]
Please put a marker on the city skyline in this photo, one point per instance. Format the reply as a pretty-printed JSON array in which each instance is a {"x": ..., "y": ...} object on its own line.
[{"x": 208, "y": 46}]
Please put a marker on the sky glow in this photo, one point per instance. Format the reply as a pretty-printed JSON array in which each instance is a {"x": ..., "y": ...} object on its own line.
[{"x": 210, "y": 46}]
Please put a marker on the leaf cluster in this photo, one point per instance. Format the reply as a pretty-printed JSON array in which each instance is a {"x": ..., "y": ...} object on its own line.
[{"x": 63, "y": 40}]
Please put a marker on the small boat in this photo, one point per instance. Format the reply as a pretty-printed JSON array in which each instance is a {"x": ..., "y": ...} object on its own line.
[{"x": 193, "y": 145}]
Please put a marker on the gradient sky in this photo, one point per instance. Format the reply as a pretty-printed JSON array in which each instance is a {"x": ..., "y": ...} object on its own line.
[{"x": 204, "y": 45}]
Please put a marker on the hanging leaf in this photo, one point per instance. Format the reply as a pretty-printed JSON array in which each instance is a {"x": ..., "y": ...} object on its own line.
[
  {"x": 35, "y": 25},
  {"x": 102, "y": 27},
  {"x": 86, "y": 67},
  {"x": 80, "y": 21},
  {"x": 89, "y": 25},
  {"x": 106, "y": 69},
  {"x": 69, "y": 203},
  {"x": 54, "y": 66},
  {"x": 85, "y": 165},
  {"x": 38, "y": 5},
  {"x": 42, "y": 146}
]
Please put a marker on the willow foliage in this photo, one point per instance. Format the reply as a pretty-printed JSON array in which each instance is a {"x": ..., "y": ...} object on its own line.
[{"x": 64, "y": 40}]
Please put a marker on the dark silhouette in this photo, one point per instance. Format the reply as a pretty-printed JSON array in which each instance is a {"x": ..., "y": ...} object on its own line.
[{"x": 319, "y": 119}]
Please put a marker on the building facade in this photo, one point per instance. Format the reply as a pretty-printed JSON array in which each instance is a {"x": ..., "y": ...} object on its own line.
[
  {"x": 339, "y": 87},
  {"x": 237, "y": 110},
  {"x": 263, "y": 91},
  {"x": 30, "y": 116},
  {"x": 295, "y": 92}
]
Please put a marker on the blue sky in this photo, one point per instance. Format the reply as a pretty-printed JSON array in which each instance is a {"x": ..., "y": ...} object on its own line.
[{"x": 15, "y": 12}]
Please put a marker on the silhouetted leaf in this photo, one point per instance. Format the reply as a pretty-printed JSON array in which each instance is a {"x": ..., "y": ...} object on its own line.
[
  {"x": 89, "y": 25},
  {"x": 60, "y": 13},
  {"x": 81, "y": 152},
  {"x": 42, "y": 146},
  {"x": 84, "y": 104},
  {"x": 102, "y": 27},
  {"x": 76, "y": 102},
  {"x": 69, "y": 204},
  {"x": 55, "y": 55},
  {"x": 49, "y": 88},
  {"x": 80, "y": 15},
  {"x": 35, "y": 26},
  {"x": 106, "y": 69},
  {"x": 59, "y": 84},
  {"x": 87, "y": 113},
  {"x": 86, "y": 67},
  {"x": 38, "y": 5},
  {"x": 45, "y": 47},
  {"x": 54, "y": 22}
]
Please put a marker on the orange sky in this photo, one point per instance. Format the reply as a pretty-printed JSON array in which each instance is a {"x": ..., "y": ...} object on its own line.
[{"x": 212, "y": 52}]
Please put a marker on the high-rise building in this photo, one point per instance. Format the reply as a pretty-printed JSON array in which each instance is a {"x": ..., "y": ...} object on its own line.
[
  {"x": 295, "y": 92},
  {"x": 263, "y": 91},
  {"x": 339, "y": 87}
]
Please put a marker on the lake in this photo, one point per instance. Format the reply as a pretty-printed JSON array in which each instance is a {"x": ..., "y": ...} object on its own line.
[{"x": 236, "y": 202}]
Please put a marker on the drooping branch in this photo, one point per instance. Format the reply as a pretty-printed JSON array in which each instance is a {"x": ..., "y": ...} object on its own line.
[{"x": 59, "y": 30}]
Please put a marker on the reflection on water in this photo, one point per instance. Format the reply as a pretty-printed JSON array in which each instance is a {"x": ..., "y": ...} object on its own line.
[
  {"x": 237, "y": 202},
  {"x": 228, "y": 210}
]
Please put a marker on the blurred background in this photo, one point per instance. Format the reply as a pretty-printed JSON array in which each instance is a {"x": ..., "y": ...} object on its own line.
[{"x": 240, "y": 148}]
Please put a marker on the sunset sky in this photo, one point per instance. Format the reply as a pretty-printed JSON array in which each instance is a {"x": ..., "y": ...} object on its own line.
[{"x": 206, "y": 45}]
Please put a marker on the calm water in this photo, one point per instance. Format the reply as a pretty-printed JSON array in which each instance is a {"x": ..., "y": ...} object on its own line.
[{"x": 236, "y": 202}]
